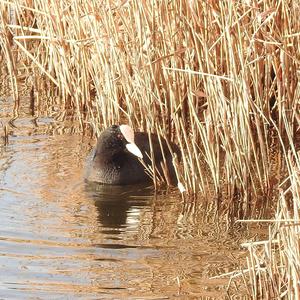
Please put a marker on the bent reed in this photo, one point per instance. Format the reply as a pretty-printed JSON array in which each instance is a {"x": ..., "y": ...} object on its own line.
[{"x": 219, "y": 78}]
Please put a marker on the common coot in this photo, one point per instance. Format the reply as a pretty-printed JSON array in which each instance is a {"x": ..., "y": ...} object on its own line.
[{"x": 115, "y": 159}]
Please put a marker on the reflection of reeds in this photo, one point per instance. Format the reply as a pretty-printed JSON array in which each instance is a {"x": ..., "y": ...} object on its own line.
[
  {"x": 213, "y": 76},
  {"x": 5, "y": 134}
]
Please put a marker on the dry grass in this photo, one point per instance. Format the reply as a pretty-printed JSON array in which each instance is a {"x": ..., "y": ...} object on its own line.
[
  {"x": 212, "y": 76},
  {"x": 273, "y": 265}
]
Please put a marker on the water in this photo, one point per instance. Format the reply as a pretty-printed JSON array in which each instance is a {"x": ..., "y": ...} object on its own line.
[{"x": 62, "y": 238}]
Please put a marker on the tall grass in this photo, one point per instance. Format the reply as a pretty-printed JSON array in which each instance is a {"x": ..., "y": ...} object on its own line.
[
  {"x": 214, "y": 76},
  {"x": 273, "y": 268}
]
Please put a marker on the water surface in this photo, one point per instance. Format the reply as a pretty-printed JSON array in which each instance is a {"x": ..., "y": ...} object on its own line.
[{"x": 63, "y": 238}]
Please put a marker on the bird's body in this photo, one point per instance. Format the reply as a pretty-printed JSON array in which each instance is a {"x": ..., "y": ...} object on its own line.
[{"x": 113, "y": 161}]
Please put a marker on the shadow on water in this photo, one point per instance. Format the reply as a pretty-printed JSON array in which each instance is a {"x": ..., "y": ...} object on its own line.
[{"x": 115, "y": 204}]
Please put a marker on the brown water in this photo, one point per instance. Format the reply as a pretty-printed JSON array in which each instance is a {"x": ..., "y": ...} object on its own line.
[{"x": 62, "y": 238}]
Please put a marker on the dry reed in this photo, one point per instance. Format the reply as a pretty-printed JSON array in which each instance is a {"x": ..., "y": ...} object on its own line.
[
  {"x": 216, "y": 77},
  {"x": 273, "y": 268}
]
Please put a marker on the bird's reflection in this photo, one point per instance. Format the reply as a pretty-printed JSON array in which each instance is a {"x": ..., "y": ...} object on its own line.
[{"x": 116, "y": 203}]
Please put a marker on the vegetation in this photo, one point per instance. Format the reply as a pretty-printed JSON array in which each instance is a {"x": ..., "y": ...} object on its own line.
[
  {"x": 273, "y": 265},
  {"x": 220, "y": 78},
  {"x": 273, "y": 269}
]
